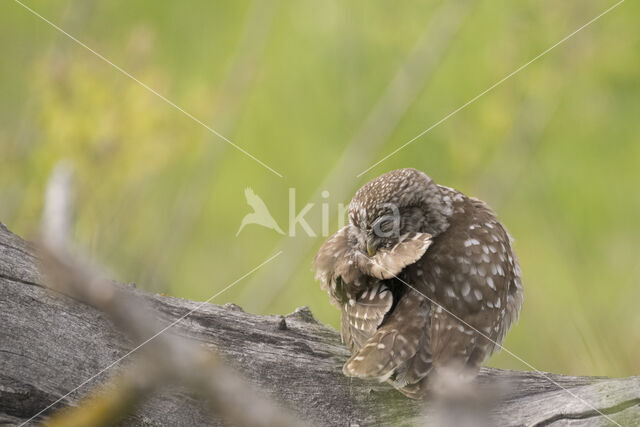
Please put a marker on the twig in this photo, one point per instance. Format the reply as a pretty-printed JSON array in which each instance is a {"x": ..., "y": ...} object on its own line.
[{"x": 167, "y": 356}]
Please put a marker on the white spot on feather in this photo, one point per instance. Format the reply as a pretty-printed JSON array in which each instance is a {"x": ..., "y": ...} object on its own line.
[
  {"x": 470, "y": 242},
  {"x": 465, "y": 289}
]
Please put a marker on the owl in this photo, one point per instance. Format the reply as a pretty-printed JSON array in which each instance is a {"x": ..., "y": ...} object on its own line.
[{"x": 425, "y": 277}]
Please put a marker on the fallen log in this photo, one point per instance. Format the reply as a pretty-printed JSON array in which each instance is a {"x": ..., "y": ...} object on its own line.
[{"x": 50, "y": 344}]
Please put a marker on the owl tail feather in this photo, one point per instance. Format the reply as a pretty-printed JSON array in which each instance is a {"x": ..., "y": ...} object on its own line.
[
  {"x": 395, "y": 344},
  {"x": 395, "y": 361},
  {"x": 382, "y": 354}
]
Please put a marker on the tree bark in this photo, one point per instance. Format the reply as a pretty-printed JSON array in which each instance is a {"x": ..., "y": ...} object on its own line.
[{"x": 50, "y": 344}]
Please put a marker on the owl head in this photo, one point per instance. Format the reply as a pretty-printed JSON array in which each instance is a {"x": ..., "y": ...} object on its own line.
[
  {"x": 392, "y": 220},
  {"x": 393, "y": 205}
]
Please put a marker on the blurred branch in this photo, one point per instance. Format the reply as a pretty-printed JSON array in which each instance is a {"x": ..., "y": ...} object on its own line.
[
  {"x": 58, "y": 206},
  {"x": 403, "y": 88},
  {"x": 230, "y": 97},
  {"x": 164, "y": 356},
  {"x": 498, "y": 183},
  {"x": 112, "y": 404}
]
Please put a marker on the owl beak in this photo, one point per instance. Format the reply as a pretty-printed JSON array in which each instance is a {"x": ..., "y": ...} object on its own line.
[{"x": 372, "y": 247}]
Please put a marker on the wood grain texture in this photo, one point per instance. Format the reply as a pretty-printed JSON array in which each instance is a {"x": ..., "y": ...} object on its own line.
[{"x": 50, "y": 344}]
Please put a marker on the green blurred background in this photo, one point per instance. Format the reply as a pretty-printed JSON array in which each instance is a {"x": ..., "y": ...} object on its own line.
[{"x": 319, "y": 91}]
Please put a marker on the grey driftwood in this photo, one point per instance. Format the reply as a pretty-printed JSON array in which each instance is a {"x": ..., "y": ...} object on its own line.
[{"x": 50, "y": 343}]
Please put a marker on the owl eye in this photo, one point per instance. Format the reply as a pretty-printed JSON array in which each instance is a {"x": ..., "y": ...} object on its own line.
[{"x": 384, "y": 226}]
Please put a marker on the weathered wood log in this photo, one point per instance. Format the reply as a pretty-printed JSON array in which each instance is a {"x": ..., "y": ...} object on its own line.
[{"x": 50, "y": 344}]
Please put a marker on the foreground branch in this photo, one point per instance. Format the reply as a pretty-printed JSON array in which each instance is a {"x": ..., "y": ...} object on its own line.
[
  {"x": 162, "y": 358},
  {"x": 50, "y": 343}
]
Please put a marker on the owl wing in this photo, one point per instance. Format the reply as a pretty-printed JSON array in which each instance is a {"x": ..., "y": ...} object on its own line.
[
  {"x": 394, "y": 343},
  {"x": 408, "y": 380},
  {"x": 470, "y": 273},
  {"x": 387, "y": 263},
  {"x": 362, "y": 316},
  {"x": 457, "y": 346},
  {"x": 337, "y": 257},
  {"x": 332, "y": 266}
]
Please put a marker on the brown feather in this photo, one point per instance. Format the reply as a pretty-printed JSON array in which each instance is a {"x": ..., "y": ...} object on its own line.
[
  {"x": 394, "y": 343},
  {"x": 362, "y": 316}
]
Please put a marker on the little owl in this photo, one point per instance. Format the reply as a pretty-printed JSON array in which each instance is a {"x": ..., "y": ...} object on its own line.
[{"x": 426, "y": 280}]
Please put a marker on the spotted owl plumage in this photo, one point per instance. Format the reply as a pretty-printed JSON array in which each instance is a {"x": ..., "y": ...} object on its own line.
[{"x": 425, "y": 278}]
